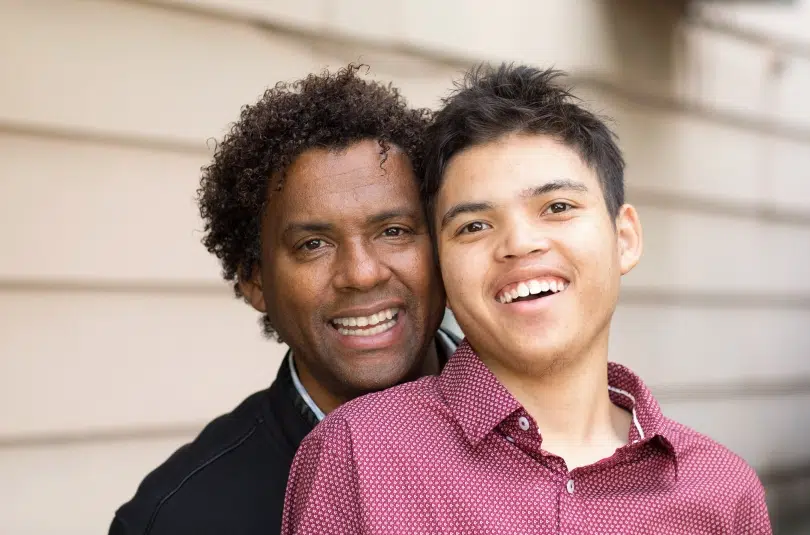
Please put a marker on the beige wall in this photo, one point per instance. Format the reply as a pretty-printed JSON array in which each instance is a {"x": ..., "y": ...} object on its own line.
[{"x": 118, "y": 339}]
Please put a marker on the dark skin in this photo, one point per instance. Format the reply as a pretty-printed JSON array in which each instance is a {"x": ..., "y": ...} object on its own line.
[{"x": 346, "y": 237}]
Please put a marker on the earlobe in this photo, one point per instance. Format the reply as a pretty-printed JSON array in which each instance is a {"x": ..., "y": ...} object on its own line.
[
  {"x": 253, "y": 291},
  {"x": 630, "y": 238}
]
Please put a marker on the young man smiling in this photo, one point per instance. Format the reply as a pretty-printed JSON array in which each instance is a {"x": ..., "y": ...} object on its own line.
[{"x": 528, "y": 429}]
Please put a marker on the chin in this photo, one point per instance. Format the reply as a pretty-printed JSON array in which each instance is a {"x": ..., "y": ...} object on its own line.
[{"x": 380, "y": 377}]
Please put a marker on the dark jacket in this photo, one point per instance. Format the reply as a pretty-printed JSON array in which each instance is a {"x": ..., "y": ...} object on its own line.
[{"x": 231, "y": 479}]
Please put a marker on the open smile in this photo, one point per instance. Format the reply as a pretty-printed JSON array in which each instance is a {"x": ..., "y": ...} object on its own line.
[
  {"x": 531, "y": 289},
  {"x": 371, "y": 329},
  {"x": 371, "y": 325}
]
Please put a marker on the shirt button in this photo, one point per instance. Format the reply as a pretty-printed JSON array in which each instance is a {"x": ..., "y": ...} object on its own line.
[
  {"x": 523, "y": 422},
  {"x": 570, "y": 486}
]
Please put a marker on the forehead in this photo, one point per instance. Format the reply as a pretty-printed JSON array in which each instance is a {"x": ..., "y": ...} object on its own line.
[
  {"x": 508, "y": 166},
  {"x": 334, "y": 185}
]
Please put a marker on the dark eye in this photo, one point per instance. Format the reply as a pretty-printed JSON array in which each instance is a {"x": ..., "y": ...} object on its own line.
[
  {"x": 312, "y": 245},
  {"x": 559, "y": 207},
  {"x": 475, "y": 226},
  {"x": 394, "y": 232}
]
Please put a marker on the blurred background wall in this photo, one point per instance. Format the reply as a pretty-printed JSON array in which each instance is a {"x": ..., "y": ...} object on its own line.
[{"x": 118, "y": 339}]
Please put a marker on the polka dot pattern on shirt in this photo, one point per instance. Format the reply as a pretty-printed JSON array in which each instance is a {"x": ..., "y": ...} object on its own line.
[{"x": 457, "y": 454}]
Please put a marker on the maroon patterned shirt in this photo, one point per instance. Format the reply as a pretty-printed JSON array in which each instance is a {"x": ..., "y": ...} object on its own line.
[{"x": 457, "y": 454}]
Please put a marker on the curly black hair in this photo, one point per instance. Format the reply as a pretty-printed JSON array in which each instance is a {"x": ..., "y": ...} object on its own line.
[{"x": 326, "y": 110}]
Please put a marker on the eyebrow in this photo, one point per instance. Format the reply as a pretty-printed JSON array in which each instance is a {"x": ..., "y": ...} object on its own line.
[
  {"x": 394, "y": 213},
  {"x": 309, "y": 226},
  {"x": 538, "y": 191},
  {"x": 319, "y": 226},
  {"x": 554, "y": 185}
]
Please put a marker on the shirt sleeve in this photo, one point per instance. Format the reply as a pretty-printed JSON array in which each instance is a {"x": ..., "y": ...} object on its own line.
[
  {"x": 751, "y": 513},
  {"x": 322, "y": 492}
]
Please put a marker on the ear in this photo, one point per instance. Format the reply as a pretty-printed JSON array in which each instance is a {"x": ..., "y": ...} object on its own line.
[
  {"x": 252, "y": 289},
  {"x": 629, "y": 238}
]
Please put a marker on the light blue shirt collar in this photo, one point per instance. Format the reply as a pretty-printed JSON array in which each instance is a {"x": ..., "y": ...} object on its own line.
[{"x": 303, "y": 391}]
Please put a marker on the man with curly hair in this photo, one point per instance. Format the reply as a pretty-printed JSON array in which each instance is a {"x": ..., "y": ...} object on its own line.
[{"x": 312, "y": 206}]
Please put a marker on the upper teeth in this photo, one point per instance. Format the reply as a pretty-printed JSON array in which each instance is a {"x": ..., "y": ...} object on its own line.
[
  {"x": 531, "y": 287},
  {"x": 363, "y": 321}
]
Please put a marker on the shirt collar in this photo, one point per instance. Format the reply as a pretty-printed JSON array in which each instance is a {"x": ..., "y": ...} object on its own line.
[
  {"x": 480, "y": 402},
  {"x": 445, "y": 346},
  {"x": 303, "y": 391}
]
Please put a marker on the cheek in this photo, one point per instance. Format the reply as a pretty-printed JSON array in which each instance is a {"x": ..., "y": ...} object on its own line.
[
  {"x": 414, "y": 267},
  {"x": 594, "y": 254},
  {"x": 297, "y": 290},
  {"x": 461, "y": 274}
]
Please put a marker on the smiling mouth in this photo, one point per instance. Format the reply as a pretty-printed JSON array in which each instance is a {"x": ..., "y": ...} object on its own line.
[
  {"x": 377, "y": 323},
  {"x": 531, "y": 289}
]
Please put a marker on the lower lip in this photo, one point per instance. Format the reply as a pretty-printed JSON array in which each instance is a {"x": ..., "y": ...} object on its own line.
[
  {"x": 533, "y": 305},
  {"x": 375, "y": 341}
]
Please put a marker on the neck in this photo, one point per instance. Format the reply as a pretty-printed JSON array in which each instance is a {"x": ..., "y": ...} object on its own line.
[{"x": 571, "y": 405}]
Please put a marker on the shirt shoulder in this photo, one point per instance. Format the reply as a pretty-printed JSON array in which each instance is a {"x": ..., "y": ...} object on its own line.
[
  {"x": 416, "y": 400},
  {"x": 703, "y": 458},
  {"x": 223, "y": 473}
]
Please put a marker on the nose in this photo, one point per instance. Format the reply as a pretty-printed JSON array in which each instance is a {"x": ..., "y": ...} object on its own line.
[
  {"x": 359, "y": 267},
  {"x": 522, "y": 237}
]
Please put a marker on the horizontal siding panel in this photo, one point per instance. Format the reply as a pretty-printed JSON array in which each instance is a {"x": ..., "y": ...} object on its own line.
[
  {"x": 787, "y": 174},
  {"x": 75, "y": 362},
  {"x": 766, "y": 433},
  {"x": 310, "y": 14},
  {"x": 671, "y": 152},
  {"x": 694, "y": 252},
  {"x": 422, "y": 25},
  {"x": 682, "y": 346},
  {"x": 74, "y": 489},
  {"x": 83, "y": 211},
  {"x": 723, "y": 72},
  {"x": 792, "y": 84},
  {"x": 169, "y": 75},
  {"x": 135, "y": 69}
]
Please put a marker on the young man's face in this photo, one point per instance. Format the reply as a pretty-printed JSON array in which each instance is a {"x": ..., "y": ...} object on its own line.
[
  {"x": 530, "y": 258},
  {"x": 347, "y": 276}
]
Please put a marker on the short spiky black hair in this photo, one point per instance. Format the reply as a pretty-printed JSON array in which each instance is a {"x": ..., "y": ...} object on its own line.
[
  {"x": 492, "y": 102},
  {"x": 329, "y": 110}
]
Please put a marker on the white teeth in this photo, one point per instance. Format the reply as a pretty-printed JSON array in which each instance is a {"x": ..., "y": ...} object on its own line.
[
  {"x": 375, "y": 322},
  {"x": 381, "y": 328},
  {"x": 531, "y": 287},
  {"x": 522, "y": 290}
]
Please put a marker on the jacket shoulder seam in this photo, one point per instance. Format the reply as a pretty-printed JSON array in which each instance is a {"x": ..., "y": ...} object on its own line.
[{"x": 234, "y": 445}]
